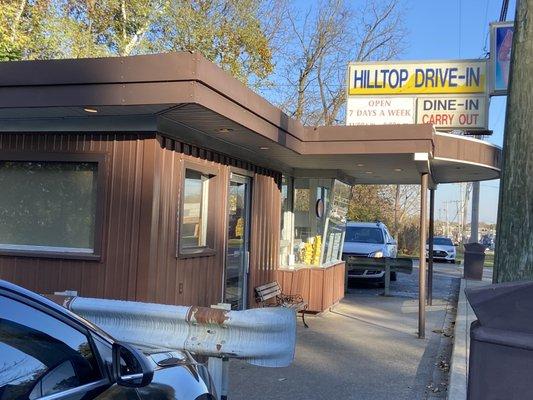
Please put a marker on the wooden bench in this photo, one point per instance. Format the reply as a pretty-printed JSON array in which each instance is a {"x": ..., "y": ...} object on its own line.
[{"x": 270, "y": 295}]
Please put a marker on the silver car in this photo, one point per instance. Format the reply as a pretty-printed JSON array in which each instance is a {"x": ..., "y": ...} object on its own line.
[
  {"x": 443, "y": 249},
  {"x": 48, "y": 352},
  {"x": 369, "y": 239}
]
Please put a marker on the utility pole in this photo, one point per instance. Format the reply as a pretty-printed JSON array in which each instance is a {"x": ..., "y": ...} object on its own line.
[
  {"x": 464, "y": 210},
  {"x": 514, "y": 240},
  {"x": 446, "y": 217},
  {"x": 474, "y": 218}
]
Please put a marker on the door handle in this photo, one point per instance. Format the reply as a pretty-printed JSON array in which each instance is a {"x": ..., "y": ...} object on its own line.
[{"x": 247, "y": 261}]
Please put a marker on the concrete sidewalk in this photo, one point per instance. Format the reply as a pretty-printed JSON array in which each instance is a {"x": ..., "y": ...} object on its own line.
[{"x": 366, "y": 348}]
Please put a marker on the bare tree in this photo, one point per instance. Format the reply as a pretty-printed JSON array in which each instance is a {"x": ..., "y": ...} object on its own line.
[{"x": 312, "y": 75}]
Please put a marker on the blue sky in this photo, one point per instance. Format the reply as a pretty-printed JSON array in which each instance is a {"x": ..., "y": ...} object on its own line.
[{"x": 454, "y": 29}]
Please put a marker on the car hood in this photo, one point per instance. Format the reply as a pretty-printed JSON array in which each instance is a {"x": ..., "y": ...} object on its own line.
[
  {"x": 361, "y": 248},
  {"x": 440, "y": 247}
]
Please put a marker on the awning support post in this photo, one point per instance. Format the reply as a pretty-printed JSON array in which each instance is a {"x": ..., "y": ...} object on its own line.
[
  {"x": 422, "y": 266},
  {"x": 430, "y": 249}
]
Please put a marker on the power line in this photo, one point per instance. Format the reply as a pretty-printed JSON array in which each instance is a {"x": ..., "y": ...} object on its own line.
[
  {"x": 503, "y": 12},
  {"x": 485, "y": 36}
]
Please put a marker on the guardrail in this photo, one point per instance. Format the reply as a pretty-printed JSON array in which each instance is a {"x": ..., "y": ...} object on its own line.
[
  {"x": 387, "y": 264},
  {"x": 264, "y": 336}
]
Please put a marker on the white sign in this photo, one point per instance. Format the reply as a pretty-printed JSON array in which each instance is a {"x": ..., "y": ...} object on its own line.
[
  {"x": 453, "y": 112},
  {"x": 380, "y": 110}
]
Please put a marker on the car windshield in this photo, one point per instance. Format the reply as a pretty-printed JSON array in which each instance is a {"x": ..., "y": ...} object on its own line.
[
  {"x": 363, "y": 234},
  {"x": 442, "y": 241}
]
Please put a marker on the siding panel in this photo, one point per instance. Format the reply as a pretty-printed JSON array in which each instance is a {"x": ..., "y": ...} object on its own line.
[
  {"x": 143, "y": 186},
  {"x": 114, "y": 275},
  {"x": 265, "y": 231}
]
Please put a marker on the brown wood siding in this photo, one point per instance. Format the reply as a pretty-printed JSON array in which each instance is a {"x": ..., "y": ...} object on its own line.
[
  {"x": 201, "y": 277},
  {"x": 320, "y": 287},
  {"x": 265, "y": 233},
  {"x": 114, "y": 276},
  {"x": 142, "y": 200},
  {"x": 193, "y": 280}
]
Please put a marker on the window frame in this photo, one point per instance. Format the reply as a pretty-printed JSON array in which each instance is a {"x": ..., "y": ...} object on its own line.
[
  {"x": 209, "y": 248},
  {"x": 105, "y": 380},
  {"x": 101, "y": 160}
]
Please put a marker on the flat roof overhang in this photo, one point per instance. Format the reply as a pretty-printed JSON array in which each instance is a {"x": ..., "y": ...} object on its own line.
[{"x": 183, "y": 95}]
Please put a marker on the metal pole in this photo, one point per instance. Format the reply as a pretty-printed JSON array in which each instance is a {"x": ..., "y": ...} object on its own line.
[
  {"x": 422, "y": 266},
  {"x": 474, "y": 219},
  {"x": 430, "y": 250}
]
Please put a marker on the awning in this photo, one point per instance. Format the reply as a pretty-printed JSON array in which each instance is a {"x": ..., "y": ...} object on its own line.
[{"x": 185, "y": 96}]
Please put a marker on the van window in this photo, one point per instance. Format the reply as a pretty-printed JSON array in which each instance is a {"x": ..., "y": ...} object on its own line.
[{"x": 363, "y": 234}]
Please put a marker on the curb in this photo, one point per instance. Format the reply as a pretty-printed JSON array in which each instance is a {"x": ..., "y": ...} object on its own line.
[{"x": 461, "y": 347}]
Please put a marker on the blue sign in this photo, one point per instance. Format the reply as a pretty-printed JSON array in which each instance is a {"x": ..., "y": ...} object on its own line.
[{"x": 502, "y": 39}]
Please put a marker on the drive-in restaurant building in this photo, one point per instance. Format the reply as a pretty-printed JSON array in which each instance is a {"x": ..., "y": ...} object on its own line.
[{"x": 161, "y": 178}]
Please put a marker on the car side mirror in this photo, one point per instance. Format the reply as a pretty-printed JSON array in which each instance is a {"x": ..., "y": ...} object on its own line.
[
  {"x": 393, "y": 242},
  {"x": 131, "y": 368}
]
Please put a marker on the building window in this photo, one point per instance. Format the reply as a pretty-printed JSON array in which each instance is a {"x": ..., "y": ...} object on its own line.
[
  {"x": 287, "y": 221},
  {"x": 49, "y": 207},
  {"x": 195, "y": 237}
]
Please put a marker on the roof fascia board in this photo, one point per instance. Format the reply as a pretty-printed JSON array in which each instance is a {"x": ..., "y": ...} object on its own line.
[{"x": 122, "y": 123}]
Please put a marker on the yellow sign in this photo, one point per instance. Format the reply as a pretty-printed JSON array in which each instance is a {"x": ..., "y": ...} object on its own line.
[{"x": 438, "y": 77}]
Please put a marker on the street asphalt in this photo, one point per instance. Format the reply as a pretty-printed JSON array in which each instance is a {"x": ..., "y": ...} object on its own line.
[{"x": 365, "y": 348}]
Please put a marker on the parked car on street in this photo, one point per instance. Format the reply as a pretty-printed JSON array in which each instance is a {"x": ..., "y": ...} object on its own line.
[
  {"x": 443, "y": 249},
  {"x": 49, "y": 352},
  {"x": 369, "y": 239}
]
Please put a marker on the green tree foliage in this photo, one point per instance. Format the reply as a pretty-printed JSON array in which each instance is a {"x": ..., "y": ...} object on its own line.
[
  {"x": 395, "y": 206},
  {"x": 230, "y": 33},
  {"x": 369, "y": 203}
]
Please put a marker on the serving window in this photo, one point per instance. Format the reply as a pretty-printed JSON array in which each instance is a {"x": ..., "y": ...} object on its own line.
[
  {"x": 196, "y": 220},
  {"x": 317, "y": 217},
  {"x": 51, "y": 205}
]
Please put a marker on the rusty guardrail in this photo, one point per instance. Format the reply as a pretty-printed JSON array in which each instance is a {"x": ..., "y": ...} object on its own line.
[{"x": 264, "y": 337}]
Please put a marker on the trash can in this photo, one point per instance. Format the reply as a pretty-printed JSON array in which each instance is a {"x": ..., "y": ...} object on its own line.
[
  {"x": 474, "y": 260},
  {"x": 501, "y": 342}
]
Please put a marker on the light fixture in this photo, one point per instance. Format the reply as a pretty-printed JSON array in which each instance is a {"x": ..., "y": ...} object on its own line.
[
  {"x": 90, "y": 110},
  {"x": 224, "y": 130},
  {"x": 368, "y": 172},
  {"x": 263, "y": 148},
  {"x": 398, "y": 169},
  {"x": 360, "y": 165}
]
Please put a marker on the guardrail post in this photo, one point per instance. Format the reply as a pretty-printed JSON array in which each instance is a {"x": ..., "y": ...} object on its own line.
[
  {"x": 219, "y": 366},
  {"x": 219, "y": 370},
  {"x": 387, "y": 278}
]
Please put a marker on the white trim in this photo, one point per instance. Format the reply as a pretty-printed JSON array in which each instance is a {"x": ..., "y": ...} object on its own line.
[
  {"x": 468, "y": 138},
  {"x": 49, "y": 249},
  {"x": 467, "y": 162},
  {"x": 421, "y": 157},
  {"x": 66, "y": 394},
  {"x": 395, "y": 62}
]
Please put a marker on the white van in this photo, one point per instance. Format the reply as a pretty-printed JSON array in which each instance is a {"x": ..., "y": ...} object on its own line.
[{"x": 369, "y": 239}]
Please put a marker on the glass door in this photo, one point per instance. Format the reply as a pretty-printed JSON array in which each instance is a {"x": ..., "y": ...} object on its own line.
[{"x": 238, "y": 242}]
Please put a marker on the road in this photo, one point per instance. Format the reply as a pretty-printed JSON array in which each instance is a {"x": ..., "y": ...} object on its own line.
[{"x": 365, "y": 348}]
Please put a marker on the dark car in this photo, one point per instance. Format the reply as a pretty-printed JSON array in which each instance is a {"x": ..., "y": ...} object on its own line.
[{"x": 49, "y": 352}]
